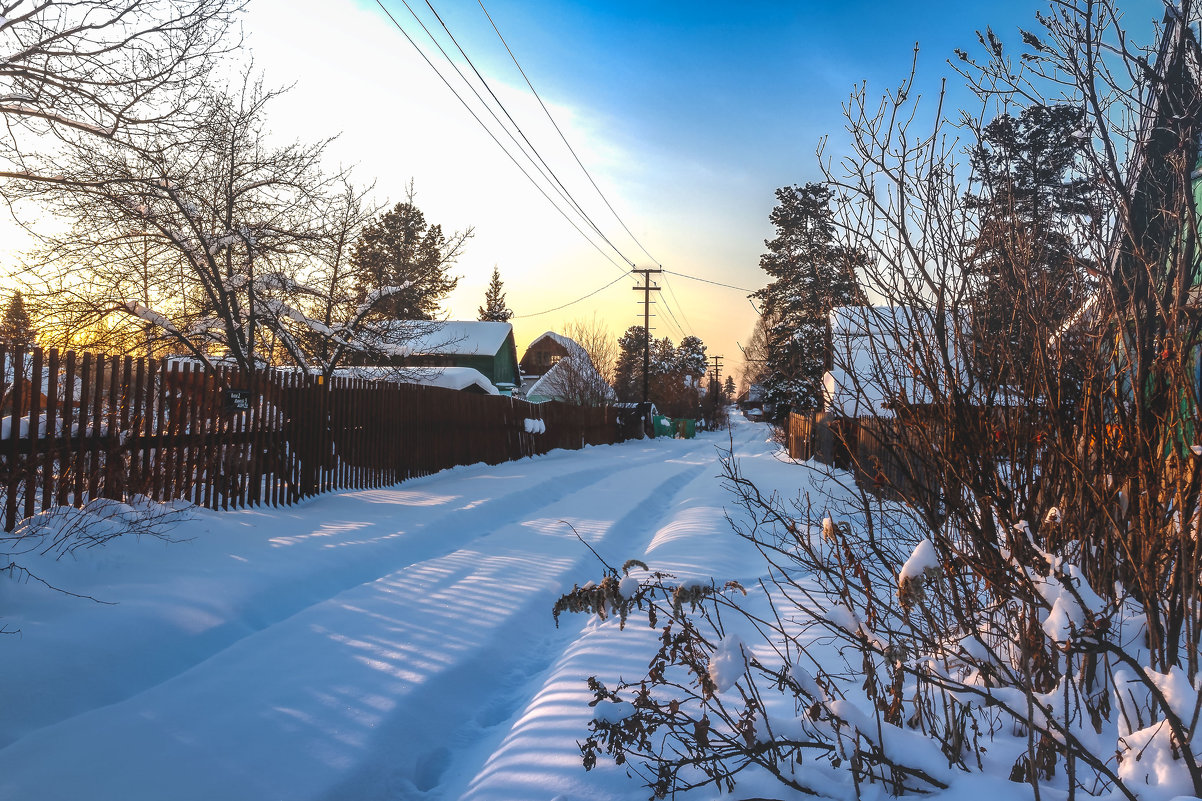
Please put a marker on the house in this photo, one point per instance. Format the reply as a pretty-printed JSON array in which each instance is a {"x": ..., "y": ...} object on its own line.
[
  {"x": 555, "y": 367},
  {"x": 879, "y": 360},
  {"x": 486, "y": 347},
  {"x": 1157, "y": 301},
  {"x": 752, "y": 400}
]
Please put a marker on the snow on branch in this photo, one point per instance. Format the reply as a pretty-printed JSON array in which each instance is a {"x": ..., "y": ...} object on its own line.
[
  {"x": 150, "y": 316},
  {"x": 377, "y": 295}
]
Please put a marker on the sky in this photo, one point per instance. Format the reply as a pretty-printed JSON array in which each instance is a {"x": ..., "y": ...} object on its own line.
[{"x": 686, "y": 115}]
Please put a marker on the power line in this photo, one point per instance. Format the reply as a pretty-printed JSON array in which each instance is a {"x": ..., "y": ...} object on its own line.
[
  {"x": 491, "y": 135},
  {"x": 672, "y": 315},
  {"x": 572, "y": 303},
  {"x": 564, "y": 192},
  {"x": 708, "y": 281},
  {"x": 564, "y": 138},
  {"x": 680, "y": 305}
]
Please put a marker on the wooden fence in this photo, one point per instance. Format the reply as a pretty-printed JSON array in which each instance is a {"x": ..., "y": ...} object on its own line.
[
  {"x": 76, "y": 427},
  {"x": 882, "y": 455}
]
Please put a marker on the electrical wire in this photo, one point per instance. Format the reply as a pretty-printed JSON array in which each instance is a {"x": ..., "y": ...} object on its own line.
[
  {"x": 570, "y": 303},
  {"x": 564, "y": 138},
  {"x": 491, "y": 135},
  {"x": 563, "y": 190},
  {"x": 680, "y": 306},
  {"x": 544, "y": 171},
  {"x": 708, "y": 281},
  {"x": 672, "y": 316}
]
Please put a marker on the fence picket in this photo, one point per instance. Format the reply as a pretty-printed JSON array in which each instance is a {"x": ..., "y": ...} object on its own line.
[{"x": 120, "y": 426}]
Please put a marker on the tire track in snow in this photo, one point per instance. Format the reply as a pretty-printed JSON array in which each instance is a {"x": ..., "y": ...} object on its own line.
[
  {"x": 343, "y": 686},
  {"x": 525, "y": 759},
  {"x": 382, "y": 547},
  {"x": 412, "y": 763}
]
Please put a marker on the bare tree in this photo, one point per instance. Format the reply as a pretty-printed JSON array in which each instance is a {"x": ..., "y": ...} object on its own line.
[
  {"x": 573, "y": 378},
  {"x": 755, "y": 354},
  {"x": 593, "y": 334},
  {"x": 208, "y": 241},
  {"x": 1012, "y": 557},
  {"x": 97, "y": 69}
]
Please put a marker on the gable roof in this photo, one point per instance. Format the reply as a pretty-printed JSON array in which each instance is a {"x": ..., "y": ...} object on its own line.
[
  {"x": 572, "y": 377},
  {"x": 878, "y": 360},
  {"x": 575, "y": 349}
]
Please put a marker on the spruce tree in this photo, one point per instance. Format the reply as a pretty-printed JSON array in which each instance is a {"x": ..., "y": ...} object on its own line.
[
  {"x": 628, "y": 375},
  {"x": 401, "y": 249},
  {"x": 16, "y": 327},
  {"x": 812, "y": 274},
  {"x": 494, "y": 309},
  {"x": 728, "y": 388}
]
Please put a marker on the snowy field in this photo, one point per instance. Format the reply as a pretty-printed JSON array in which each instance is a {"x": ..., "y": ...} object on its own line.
[
  {"x": 394, "y": 643},
  {"x": 381, "y": 644}
]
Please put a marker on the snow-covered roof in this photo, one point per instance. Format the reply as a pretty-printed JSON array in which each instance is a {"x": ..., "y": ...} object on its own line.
[
  {"x": 449, "y": 378},
  {"x": 877, "y": 360},
  {"x": 574, "y": 348},
  {"x": 457, "y": 378},
  {"x": 457, "y": 337},
  {"x": 572, "y": 379}
]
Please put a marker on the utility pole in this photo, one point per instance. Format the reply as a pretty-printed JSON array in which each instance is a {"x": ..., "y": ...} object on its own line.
[
  {"x": 717, "y": 370},
  {"x": 646, "y": 289}
]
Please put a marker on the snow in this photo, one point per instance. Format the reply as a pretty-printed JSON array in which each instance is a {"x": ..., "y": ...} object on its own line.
[
  {"x": 392, "y": 642},
  {"x": 459, "y": 337},
  {"x": 373, "y": 297},
  {"x": 150, "y": 316},
  {"x": 397, "y": 642},
  {"x": 458, "y": 378},
  {"x": 921, "y": 560},
  {"x": 728, "y": 664}
]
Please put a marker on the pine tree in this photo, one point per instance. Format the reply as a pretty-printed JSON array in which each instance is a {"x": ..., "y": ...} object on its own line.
[
  {"x": 691, "y": 359},
  {"x": 628, "y": 376},
  {"x": 494, "y": 308},
  {"x": 401, "y": 249},
  {"x": 812, "y": 274},
  {"x": 728, "y": 388},
  {"x": 16, "y": 327},
  {"x": 1029, "y": 275}
]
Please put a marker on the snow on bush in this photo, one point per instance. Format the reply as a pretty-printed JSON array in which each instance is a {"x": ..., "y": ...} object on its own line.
[
  {"x": 728, "y": 664},
  {"x": 1049, "y": 681}
]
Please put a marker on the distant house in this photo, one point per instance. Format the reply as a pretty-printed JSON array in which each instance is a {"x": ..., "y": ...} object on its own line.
[
  {"x": 555, "y": 367},
  {"x": 753, "y": 398},
  {"x": 485, "y": 347}
]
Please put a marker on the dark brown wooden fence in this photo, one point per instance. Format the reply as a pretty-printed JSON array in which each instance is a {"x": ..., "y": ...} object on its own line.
[
  {"x": 883, "y": 455},
  {"x": 76, "y": 427}
]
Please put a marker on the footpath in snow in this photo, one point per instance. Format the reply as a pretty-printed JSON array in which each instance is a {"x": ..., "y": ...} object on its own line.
[{"x": 381, "y": 644}]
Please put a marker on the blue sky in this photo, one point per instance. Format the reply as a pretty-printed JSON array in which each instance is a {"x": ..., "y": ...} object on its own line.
[
  {"x": 688, "y": 115},
  {"x": 714, "y": 105}
]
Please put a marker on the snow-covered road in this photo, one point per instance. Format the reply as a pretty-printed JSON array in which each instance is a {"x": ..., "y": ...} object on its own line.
[{"x": 383, "y": 644}]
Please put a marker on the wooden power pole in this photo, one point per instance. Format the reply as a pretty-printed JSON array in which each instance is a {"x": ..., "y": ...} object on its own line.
[
  {"x": 717, "y": 370},
  {"x": 646, "y": 289}
]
